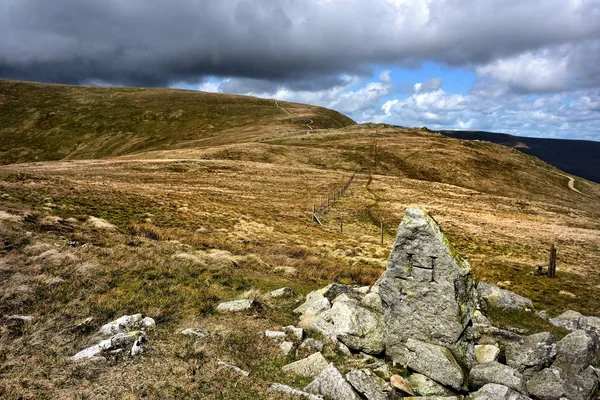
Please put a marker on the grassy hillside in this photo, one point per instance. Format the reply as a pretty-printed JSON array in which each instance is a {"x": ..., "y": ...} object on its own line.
[
  {"x": 197, "y": 223},
  {"x": 51, "y": 122}
]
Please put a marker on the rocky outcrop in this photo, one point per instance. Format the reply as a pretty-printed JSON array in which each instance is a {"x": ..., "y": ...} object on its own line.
[
  {"x": 427, "y": 290},
  {"x": 424, "y": 313}
]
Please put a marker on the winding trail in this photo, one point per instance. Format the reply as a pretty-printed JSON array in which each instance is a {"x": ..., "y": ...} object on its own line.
[
  {"x": 571, "y": 184},
  {"x": 295, "y": 115}
]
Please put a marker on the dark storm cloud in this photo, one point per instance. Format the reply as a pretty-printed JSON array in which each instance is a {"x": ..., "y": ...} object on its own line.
[{"x": 306, "y": 43}]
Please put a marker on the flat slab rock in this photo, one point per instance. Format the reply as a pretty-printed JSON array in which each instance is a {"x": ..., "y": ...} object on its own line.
[
  {"x": 332, "y": 385},
  {"x": 236, "y": 306},
  {"x": 502, "y": 298},
  {"x": 308, "y": 367},
  {"x": 494, "y": 372},
  {"x": 436, "y": 362},
  {"x": 293, "y": 392}
]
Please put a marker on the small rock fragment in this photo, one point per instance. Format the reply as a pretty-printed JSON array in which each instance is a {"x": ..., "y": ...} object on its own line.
[
  {"x": 494, "y": 372},
  {"x": 486, "y": 353},
  {"x": 236, "y": 306},
  {"x": 286, "y": 348},
  {"x": 296, "y": 333},
  {"x": 282, "y": 293},
  {"x": 275, "y": 335},
  {"x": 234, "y": 368},
  {"x": 199, "y": 333},
  {"x": 423, "y": 386},
  {"x": 402, "y": 384}
]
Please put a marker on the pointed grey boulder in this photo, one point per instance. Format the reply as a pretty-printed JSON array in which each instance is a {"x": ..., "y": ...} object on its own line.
[{"x": 427, "y": 291}]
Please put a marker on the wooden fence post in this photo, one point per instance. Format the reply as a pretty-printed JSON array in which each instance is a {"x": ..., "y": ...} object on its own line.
[
  {"x": 382, "y": 233},
  {"x": 341, "y": 224},
  {"x": 552, "y": 262}
]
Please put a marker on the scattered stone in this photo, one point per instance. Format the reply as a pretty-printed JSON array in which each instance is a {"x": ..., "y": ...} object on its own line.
[
  {"x": 296, "y": 333},
  {"x": 569, "y": 319},
  {"x": 137, "y": 347},
  {"x": 197, "y": 332},
  {"x": 117, "y": 342},
  {"x": 234, "y": 368},
  {"x": 534, "y": 352},
  {"x": 401, "y": 384},
  {"x": 126, "y": 323},
  {"x": 282, "y": 293},
  {"x": 331, "y": 384},
  {"x": 383, "y": 372},
  {"x": 100, "y": 223},
  {"x": 275, "y": 335},
  {"x": 576, "y": 351},
  {"x": 237, "y": 306},
  {"x": 486, "y": 353},
  {"x": 286, "y": 348},
  {"x": 292, "y": 392},
  {"x": 423, "y": 386},
  {"x": 502, "y": 298},
  {"x": 493, "y": 391},
  {"x": 4, "y": 216},
  {"x": 494, "y": 372},
  {"x": 436, "y": 362},
  {"x": 368, "y": 384},
  {"x": 310, "y": 366},
  {"x": 567, "y": 294},
  {"x": 427, "y": 289},
  {"x": 358, "y": 327},
  {"x": 543, "y": 315}
]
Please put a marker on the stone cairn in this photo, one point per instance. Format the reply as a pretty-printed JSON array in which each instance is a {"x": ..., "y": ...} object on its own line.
[{"x": 424, "y": 316}]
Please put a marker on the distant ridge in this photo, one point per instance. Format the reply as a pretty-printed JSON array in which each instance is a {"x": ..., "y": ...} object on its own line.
[{"x": 577, "y": 157}]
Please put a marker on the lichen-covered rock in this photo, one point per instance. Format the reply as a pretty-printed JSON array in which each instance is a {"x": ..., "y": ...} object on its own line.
[
  {"x": 119, "y": 341},
  {"x": 296, "y": 334},
  {"x": 427, "y": 290},
  {"x": 331, "y": 384},
  {"x": 435, "y": 362},
  {"x": 569, "y": 319},
  {"x": 286, "y": 348},
  {"x": 358, "y": 327},
  {"x": 493, "y": 391},
  {"x": 237, "y": 306},
  {"x": 310, "y": 366},
  {"x": 502, "y": 298},
  {"x": 486, "y": 353},
  {"x": 554, "y": 384},
  {"x": 423, "y": 386},
  {"x": 309, "y": 346},
  {"x": 329, "y": 292},
  {"x": 494, "y": 372},
  {"x": 576, "y": 351},
  {"x": 369, "y": 385},
  {"x": 533, "y": 352},
  {"x": 195, "y": 332}
]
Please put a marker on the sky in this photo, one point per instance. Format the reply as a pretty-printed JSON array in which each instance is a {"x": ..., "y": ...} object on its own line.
[{"x": 526, "y": 67}]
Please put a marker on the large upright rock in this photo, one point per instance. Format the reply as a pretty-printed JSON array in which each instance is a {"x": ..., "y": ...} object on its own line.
[{"x": 427, "y": 290}]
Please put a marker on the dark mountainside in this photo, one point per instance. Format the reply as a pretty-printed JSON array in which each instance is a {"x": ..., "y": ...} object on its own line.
[{"x": 578, "y": 157}]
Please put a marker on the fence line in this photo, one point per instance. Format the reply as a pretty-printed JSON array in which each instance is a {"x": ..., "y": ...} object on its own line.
[{"x": 326, "y": 202}]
